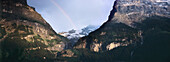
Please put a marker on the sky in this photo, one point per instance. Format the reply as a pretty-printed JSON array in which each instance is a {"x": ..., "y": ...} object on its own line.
[{"x": 65, "y": 15}]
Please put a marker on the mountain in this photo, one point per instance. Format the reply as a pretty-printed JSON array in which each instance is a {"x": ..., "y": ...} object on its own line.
[
  {"x": 120, "y": 26},
  {"x": 25, "y": 36},
  {"x": 136, "y": 31},
  {"x": 75, "y": 35},
  {"x": 88, "y": 29},
  {"x": 126, "y": 12}
]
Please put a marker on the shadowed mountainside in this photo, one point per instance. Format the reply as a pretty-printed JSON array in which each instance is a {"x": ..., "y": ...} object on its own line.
[{"x": 25, "y": 36}]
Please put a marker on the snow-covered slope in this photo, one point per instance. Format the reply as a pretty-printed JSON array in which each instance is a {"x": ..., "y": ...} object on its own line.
[{"x": 74, "y": 35}]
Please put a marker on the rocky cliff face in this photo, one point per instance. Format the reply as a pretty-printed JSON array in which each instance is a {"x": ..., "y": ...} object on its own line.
[
  {"x": 24, "y": 33},
  {"x": 128, "y": 35},
  {"x": 130, "y": 11}
]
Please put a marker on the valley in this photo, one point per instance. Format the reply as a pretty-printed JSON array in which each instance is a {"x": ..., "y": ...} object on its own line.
[{"x": 136, "y": 31}]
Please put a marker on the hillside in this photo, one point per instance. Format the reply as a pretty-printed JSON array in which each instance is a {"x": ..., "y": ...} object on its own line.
[
  {"x": 134, "y": 32},
  {"x": 25, "y": 35}
]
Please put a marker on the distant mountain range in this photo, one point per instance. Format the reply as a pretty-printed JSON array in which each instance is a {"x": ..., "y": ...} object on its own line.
[{"x": 74, "y": 35}]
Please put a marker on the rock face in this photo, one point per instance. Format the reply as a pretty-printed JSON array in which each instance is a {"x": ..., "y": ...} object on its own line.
[
  {"x": 24, "y": 32},
  {"x": 129, "y": 11},
  {"x": 112, "y": 45},
  {"x": 133, "y": 30},
  {"x": 96, "y": 47}
]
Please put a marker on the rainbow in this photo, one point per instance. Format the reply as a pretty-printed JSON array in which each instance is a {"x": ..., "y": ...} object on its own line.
[{"x": 64, "y": 13}]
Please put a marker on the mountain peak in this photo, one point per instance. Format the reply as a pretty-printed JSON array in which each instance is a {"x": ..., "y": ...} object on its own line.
[
  {"x": 17, "y": 8},
  {"x": 129, "y": 11}
]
